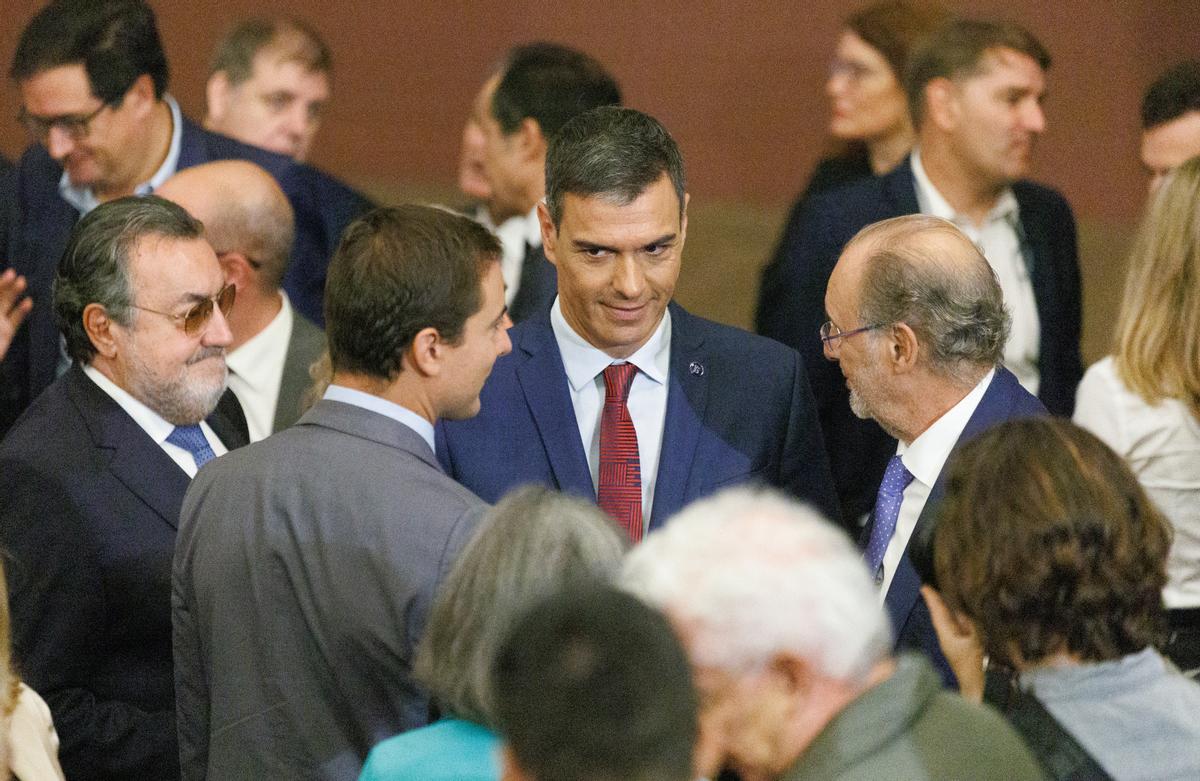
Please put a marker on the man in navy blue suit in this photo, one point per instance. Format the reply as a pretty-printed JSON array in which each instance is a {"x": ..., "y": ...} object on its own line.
[
  {"x": 92, "y": 78},
  {"x": 615, "y": 393},
  {"x": 917, "y": 325},
  {"x": 975, "y": 91},
  {"x": 93, "y": 475}
]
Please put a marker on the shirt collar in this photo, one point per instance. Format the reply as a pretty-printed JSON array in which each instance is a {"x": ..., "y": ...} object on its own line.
[
  {"x": 258, "y": 359},
  {"x": 583, "y": 362},
  {"x": 147, "y": 419},
  {"x": 519, "y": 230},
  {"x": 931, "y": 202},
  {"x": 384, "y": 407},
  {"x": 925, "y": 456},
  {"x": 84, "y": 200}
]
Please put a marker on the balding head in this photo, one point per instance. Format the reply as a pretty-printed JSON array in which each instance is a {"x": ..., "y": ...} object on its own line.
[{"x": 244, "y": 213}]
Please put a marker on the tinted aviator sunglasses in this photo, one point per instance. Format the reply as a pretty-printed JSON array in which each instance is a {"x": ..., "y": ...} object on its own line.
[{"x": 195, "y": 319}]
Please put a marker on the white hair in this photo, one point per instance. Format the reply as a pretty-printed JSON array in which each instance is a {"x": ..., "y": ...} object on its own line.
[{"x": 749, "y": 574}]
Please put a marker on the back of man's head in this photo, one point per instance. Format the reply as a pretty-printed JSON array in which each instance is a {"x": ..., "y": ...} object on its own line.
[
  {"x": 550, "y": 83},
  {"x": 1171, "y": 121},
  {"x": 116, "y": 41},
  {"x": 243, "y": 210},
  {"x": 592, "y": 685},
  {"x": 399, "y": 270},
  {"x": 958, "y": 51},
  {"x": 1173, "y": 94},
  {"x": 292, "y": 39},
  {"x": 612, "y": 152}
]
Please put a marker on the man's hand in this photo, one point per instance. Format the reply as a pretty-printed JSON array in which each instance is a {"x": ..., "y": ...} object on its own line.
[
  {"x": 13, "y": 307},
  {"x": 960, "y": 644}
]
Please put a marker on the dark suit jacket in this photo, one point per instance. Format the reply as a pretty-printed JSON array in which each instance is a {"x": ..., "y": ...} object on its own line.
[
  {"x": 738, "y": 411},
  {"x": 8, "y": 205},
  {"x": 538, "y": 286},
  {"x": 88, "y": 510},
  {"x": 1003, "y": 400},
  {"x": 303, "y": 578},
  {"x": 323, "y": 206},
  {"x": 305, "y": 345},
  {"x": 791, "y": 308}
]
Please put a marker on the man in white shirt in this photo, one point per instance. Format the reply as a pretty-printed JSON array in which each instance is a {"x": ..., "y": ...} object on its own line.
[
  {"x": 248, "y": 221},
  {"x": 536, "y": 89},
  {"x": 917, "y": 325},
  {"x": 93, "y": 475}
]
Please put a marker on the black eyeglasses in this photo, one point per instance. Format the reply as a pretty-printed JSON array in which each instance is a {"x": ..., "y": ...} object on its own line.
[
  {"x": 75, "y": 126},
  {"x": 830, "y": 332},
  {"x": 195, "y": 319}
]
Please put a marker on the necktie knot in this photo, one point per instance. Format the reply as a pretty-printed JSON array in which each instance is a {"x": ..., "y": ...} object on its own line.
[
  {"x": 618, "y": 377},
  {"x": 192, "y": 439}
]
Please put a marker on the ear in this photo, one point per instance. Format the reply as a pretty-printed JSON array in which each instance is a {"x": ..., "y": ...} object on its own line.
[
  {"x": 216, "y": 95},
  {"x": 425, "y": 354},
  {"x": 532, "y": 141},
  {"x": 941, "y": 103},
  {"x": 549, "y": 232},
  {"x": 687, "y": 197},
  {"x": 237, "y": 270},
  {"x": 141, "y": 95},
  {"x": 904, "y": 350},
  {"x": 794, "y": 672},
  {"x": 99, "y": 330},
  {"x": 510, "y": 770}
]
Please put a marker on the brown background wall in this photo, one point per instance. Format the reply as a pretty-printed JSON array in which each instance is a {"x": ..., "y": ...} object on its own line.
[{"x": 739, "y": 84}]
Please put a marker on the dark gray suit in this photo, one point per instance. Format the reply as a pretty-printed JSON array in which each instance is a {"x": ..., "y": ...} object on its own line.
[
  {"x": 305, "y": 345},
  {"x": 302, "y": 581}
]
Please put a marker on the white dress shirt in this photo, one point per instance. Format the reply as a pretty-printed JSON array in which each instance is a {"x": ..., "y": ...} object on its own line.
[
  {"x": 647, "y": 401},
  {"x": 154, "y": 425},
  {"x": 999, "y": 238},
  {"x": 384, "y": 407},
  {"x": 924, "y": 458},
  {"x": 256, "y": 369},
  {"x": 1161, "y": 442},
  {"x": 514, "y": 234}
]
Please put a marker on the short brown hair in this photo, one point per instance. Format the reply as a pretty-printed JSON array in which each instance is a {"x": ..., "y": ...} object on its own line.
[
  {"x": 397, "y": 271},
  {"x": 1047, "y": 542},
  {"x": 957, "y": 51},
  {"x": 896, "y": 27},
  {"x": 296, "y": 40}
]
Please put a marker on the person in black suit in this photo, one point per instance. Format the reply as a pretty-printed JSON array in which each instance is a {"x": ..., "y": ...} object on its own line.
[
  {"x": 536, "y": 89},
  {"x": 975, "y": 91},
  {"x": 92, "y": 78},
  {"x": 93, "y": 475}
]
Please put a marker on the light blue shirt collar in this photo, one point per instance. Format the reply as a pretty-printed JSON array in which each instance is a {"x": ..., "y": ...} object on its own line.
[
  {"x": 84, "y": 200},
  {"x": 583, "y": 362},
  {"x": 385, "y": 408}
]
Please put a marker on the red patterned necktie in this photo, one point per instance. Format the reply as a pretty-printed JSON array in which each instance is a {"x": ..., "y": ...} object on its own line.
[{"x": 619, "y": 488}]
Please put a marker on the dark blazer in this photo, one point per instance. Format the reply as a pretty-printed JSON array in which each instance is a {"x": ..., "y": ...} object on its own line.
[
  {"x": 537, "y": 288},
  {"x": 1003, "y": 400},
  {"x": 303, "y": 578},
  {"x": 8, "y": 204},
  {"x": 791, "y": 308},
  {"x": 738, "y": 411},
  {"x": 305, "y": 346},
  {"x": 88, "y": 510},
  {"x": 323, "y": 206}
]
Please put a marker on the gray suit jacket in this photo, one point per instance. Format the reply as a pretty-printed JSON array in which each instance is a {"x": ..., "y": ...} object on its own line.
[
  {"x": 305, "y": 345},
  {"x": 302, "y": 580}
]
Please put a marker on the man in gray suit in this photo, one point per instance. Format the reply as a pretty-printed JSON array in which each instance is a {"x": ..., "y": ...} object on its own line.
[
  {"x": 249, "y": 223},
  {"x": 304, "y": 570}
]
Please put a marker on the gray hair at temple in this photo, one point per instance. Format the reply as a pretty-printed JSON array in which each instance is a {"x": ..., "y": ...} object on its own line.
[
  {"x": 611, "y": 152},
  {"x": 95, "y": 265},
  {"x": 534, "y": 542},
  {"x": 924, "y": 272},
  {"x": 752, "y": 574}
]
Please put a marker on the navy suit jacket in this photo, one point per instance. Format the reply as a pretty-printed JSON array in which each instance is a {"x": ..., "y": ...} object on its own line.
[
  {"x": 323, "y": 206},
  {"x": 791, "y": 308},
  {"x": 89, "y": 505},
  {"x": 738, "y": 411},
  {"x": 1003, "y": 400}
]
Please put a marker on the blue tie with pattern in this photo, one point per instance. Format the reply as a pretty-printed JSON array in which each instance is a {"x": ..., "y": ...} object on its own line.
[
  {"x": 887, "y": 510},
  {"x": 192, "y": 439}
]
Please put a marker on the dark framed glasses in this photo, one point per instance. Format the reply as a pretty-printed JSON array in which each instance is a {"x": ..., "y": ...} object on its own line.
[
  {"x": 75, "y": 126},
  {"x": 830, "y": 333},
  {"x": 196, "y": 319}
]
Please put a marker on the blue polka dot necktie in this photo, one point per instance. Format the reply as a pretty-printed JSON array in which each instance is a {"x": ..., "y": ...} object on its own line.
[
  {"x": 887, "y": 510},
  {"x": 192, "y": 439}
]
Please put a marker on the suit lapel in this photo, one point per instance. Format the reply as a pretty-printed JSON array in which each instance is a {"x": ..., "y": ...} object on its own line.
[
  {"x": 900, "y": 189},
  {"x": 304, "y": 346},
  {"x": 550, "y": 405},
  {"x": 534, "y": 286},
  {"x": 687, "y": 398}
]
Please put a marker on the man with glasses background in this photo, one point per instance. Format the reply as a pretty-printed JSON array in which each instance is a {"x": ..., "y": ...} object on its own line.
[
  {"x": 93, "y": 475},
  {"x": 92, "y": 78},
  {"x": 918, "y": 327}
]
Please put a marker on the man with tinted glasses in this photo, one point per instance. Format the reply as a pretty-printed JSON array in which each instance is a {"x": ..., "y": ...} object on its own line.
[
  {"x": 93, "y": 475},
  {"x": 92, "y": 78}
]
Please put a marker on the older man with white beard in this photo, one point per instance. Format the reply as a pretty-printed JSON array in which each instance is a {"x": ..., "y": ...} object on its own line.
[{"x": 93, "y": 474}]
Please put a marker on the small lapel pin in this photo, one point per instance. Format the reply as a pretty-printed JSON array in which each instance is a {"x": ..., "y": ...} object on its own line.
[{"x": 696, "y": 368}]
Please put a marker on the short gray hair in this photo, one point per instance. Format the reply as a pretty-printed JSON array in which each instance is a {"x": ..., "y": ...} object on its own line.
[
  {"x": 750, "y": 574},
  {"x": 533, "y": 543},
  {"x": 948, "y": 295},
  {"x": 95, "y": 266}
]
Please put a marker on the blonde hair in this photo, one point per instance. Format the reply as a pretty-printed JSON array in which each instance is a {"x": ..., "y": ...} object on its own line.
[
  {"x": 10, "y": 682},
  {"x": 1158, "y": 333}
]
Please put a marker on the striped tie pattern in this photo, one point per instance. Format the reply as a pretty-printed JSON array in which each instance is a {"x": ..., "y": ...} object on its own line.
[{"x": 619, "y": 487}]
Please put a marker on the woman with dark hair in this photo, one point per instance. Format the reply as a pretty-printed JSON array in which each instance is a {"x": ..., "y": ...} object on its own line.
[{"x": 1050, "y": 561}]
